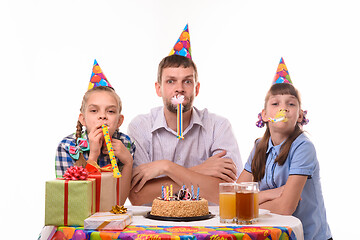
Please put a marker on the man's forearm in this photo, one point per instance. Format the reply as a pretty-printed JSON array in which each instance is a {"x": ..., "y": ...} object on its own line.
[{"x": 150, "y": 191}]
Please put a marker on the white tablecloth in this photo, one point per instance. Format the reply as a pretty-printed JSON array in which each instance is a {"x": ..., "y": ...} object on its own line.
[{"x": 268, "y": 219}]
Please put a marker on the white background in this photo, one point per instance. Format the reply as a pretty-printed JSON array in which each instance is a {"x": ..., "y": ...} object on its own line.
[{"x": 47, "y": 49}]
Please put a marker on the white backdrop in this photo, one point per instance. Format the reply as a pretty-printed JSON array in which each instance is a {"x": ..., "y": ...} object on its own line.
[{"x": 47, "y": 49}]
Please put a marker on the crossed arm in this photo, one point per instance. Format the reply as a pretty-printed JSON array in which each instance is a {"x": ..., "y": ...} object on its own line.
[
  {"x": 146, "y": 183},
  {"x": 282, "y": 200}
]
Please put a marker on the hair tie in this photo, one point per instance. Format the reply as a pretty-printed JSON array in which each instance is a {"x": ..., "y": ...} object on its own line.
[
  {"x": 304, "y": 120},
  {"x": 260, "y": 123}
]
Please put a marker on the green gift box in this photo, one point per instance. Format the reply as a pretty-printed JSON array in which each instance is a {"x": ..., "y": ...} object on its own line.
[{"x": 69, "y": 202}]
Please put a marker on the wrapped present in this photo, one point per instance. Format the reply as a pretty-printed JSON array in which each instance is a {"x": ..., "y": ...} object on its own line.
[
  {"x": 108, "y": 221},
  {"x": 69, "y": 202},
  {"x": 107, "y": 188}
]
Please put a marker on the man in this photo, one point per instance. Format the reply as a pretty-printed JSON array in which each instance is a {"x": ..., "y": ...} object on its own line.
[{"x": 206, "y": 156}]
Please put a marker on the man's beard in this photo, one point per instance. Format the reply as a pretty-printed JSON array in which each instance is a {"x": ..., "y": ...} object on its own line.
[{"x": 173, "y": 108}]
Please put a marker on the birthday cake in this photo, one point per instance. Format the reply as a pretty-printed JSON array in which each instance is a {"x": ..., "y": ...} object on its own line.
[{"x": 183, "y": 204}]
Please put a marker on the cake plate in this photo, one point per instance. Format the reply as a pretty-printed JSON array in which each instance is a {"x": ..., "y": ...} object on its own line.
[{"x": 180, "y": 219}]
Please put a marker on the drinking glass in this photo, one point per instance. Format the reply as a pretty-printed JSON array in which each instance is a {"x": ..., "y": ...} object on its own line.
[
  {"x": 227, "y": 202},
  {"x": 247, "y": 206}
]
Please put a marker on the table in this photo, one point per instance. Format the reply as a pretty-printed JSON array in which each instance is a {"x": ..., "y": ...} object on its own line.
[{"x": 269, "y": 225}]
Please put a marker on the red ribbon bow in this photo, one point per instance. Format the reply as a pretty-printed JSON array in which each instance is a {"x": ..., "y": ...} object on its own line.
[{"x": 76, "y": 173}]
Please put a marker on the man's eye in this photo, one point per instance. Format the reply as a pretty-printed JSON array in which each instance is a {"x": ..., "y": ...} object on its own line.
[
  {"x": 274, "y": 104},
  {"x": 92, "y": 110},
  {"x": 170, "y": 81}
]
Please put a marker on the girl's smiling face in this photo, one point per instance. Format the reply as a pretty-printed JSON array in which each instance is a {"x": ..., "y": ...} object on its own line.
[
  {"x": 101, "y": 108},
  {"x": 291, "y": 106}
]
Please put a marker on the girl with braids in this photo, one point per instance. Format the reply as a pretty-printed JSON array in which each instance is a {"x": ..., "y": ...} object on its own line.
[
  {"x": 100, "y": 105},
  {"x": 284, "y": 161}
]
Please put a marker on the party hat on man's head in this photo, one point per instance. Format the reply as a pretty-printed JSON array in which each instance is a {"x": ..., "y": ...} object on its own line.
[
  {"x": 282, "y": 73},
  {"x": 182, "y": 46},
  {"x": 98, "y": 77}
]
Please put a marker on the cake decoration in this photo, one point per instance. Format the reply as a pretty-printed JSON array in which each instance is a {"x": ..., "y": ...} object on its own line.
[
  {"x": 182, "y": 45},
  {"x": 178, "y": 100},
  {"x": 98, "y": 77},
  {"x": 110, "y": 149},
  {"x": 184, "y": 194},
  {"x": 280, "y": 116}
]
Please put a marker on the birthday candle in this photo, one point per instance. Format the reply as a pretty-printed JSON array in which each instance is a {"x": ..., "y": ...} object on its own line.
[
  {"x": 167, "y": 193},
  {"x": 110, "y": 149},
  {"x": 192, "y": 192},
  {"x": 171, "y": 190},
  {"x": 198, "y": 191},
  {"x": 178, "y": 100},
  {"x": 162, "y": 192}
]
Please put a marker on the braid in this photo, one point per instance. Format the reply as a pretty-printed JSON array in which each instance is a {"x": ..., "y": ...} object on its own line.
[{"x": 81, "y": 161}]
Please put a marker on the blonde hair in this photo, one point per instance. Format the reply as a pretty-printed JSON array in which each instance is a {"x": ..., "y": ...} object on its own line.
[
  {"x": 100, "y": 89},
  {"x": 81, "y": 161}
]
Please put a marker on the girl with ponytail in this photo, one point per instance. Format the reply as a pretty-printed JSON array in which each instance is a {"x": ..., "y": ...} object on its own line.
[{"x": 284, "y": 160}]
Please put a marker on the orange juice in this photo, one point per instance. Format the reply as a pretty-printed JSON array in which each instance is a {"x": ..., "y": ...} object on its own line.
[{"x": 227, "y": 205}]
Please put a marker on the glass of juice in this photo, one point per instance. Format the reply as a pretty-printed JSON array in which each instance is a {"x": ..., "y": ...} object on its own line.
[
  {"x": 227, "y": 202},
  {"x": 256, "y": 202},
  {"x": 247, "y": 207}
]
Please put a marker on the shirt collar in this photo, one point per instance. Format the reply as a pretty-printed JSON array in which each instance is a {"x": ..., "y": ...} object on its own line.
[
  {"x": 160, "y": 121},
  {"x": 273, "y": 148}
]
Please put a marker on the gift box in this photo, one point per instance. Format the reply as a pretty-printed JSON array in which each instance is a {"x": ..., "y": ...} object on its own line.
[
  {"x": 108, "y": 221},
  {"x": 107, "y": 190},
  {"x": 69, "y": 202}
]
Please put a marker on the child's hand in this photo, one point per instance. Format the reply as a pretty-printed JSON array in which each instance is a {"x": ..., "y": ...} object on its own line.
[
  {"x": 96, "y": 140},
  {"x": 121, "y": 152}
]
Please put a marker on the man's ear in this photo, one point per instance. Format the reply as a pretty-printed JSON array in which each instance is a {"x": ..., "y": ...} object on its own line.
[
  {"x": 81, "y": 119},
  {"x": 197, "y": 89},
  {"x": 158, "y": 89}
]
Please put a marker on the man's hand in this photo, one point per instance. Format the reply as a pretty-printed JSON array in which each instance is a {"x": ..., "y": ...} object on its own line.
[
  {"x": 216, "y": 166},
  {"x": 146, "y": 172}
]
